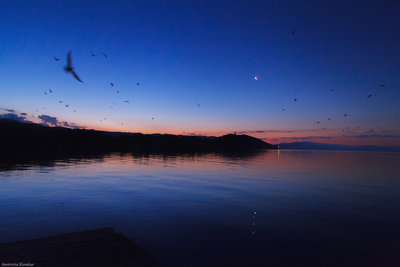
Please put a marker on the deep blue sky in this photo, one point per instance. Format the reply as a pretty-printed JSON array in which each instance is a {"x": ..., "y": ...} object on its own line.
[{"x": 208, "y": 52}]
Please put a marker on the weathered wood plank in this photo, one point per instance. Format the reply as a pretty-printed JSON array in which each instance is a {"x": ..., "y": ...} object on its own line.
[{"x": 98, "y": 247}]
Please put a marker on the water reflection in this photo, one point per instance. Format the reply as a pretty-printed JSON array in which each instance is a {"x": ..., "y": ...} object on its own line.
[{"x": 295, "y": 207}]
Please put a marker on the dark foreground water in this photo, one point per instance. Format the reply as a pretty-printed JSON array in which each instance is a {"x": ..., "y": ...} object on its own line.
[{"x": 272, "y": 208}]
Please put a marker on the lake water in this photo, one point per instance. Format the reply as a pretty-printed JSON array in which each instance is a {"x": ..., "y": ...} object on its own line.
[{"x": 271, "y": 208}]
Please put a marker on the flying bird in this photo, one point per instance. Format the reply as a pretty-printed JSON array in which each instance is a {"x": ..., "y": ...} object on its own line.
[
  {"x": 60, "y": 101},
  {"x": 283, "y": 109},
  {"x": 152, "y": 118},
  {"x": 56, "y": 59},
  {"x": 332, "y": 90},
  {"x": 369, "y": 96},
  {"x": 329, "y": 119},
  {"x": 66, "y": 105},
  {"x": 69, "y": 68},
  {"x": 345, "y": 114},
  {"x": 51, "y": 91},
  {"x": 293, "y": 32},
  {"x": 295, "y": 100},
  {"x": 45, "y": 92},
  {"x": 318, "y": 122},
  {"x": 198, "y": 104},
  {"x": 126, "y": 101},
  {"x": 382, "y": 85},
  {"x": 117, "y": 92},
  {"x": 137, "y": 83},
  {"x": 93, "y": 55},
  {"x": 112, "y": 84},
  {"x": 105, "y": 55}
]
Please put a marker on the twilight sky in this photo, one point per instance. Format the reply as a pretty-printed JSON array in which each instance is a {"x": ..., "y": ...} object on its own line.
[{"x": 196, "y": 63}]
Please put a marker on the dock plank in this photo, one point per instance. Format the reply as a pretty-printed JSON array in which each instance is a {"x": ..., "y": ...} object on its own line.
[{"x": 98, "y": 247}]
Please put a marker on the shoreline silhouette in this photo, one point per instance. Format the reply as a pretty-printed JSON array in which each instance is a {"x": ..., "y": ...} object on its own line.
[{"x": 34, "y": 139}]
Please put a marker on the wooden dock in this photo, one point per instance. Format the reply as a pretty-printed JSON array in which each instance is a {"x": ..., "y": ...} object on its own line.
[{"x": 98, "y": 247}]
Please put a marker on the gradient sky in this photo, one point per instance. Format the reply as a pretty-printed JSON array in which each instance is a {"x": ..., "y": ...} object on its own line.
[{"x": 208, "y": 52}]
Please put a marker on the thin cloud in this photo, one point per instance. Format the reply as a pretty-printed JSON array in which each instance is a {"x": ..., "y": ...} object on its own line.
[
  {"x": 307, "y": 138},
  {"x": 13, "y": 116},
  {"x": 265, "y": 131},
  {"x": 48, "y": 120},
  {"x": 72, "y": 125},
  {"x": 363, "y": 136}
]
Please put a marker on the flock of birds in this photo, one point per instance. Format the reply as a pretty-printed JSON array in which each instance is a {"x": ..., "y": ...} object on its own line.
[
  {"x": 70, "y": 69},
  {"x": 345, "y": 114}
]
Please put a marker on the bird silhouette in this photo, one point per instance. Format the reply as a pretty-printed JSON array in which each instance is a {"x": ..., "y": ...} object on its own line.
[
  {"x": 198, "y": 105},
  {"x": 105, "y": 55},
  {"x": 382, "y": 85},
  {"x": 283, "y": 109},
  {"x": 345, "y": 114},
  {"x": 295, "y": 100},
  {"x": 369, "y": 96},
  {"x": 126, "y": 101},
  {"x": 329, "y": 119},
  {"x": 67, "y": 105},
  {"x": 117, "y": 92},
  {"x": 112, "y": 84},
  {"x": 74, "y": 110},
  {"x": 137, "y": 83},
  {"x": 69, "y": 69},
  {"x": 152, "y": 118},
  {"x": 60, "y": 101},
  {"x": 293, "y": 32},
  {"x": 45, "y": 92},
  {"x": 318, "y": 122},
  {"x": 332, "y": 90},
  {"x": 93, "y": 55},
  {"x": 51, "y": 91},
  {"x": 56, "y": 59}
]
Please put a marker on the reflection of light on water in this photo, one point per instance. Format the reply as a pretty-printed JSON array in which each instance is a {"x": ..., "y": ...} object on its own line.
[{"x": 253, "y": 224}]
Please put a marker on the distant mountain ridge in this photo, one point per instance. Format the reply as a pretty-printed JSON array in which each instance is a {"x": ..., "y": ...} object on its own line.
[
  {"x": 19, "y": 137},
  {"x": 324, "y": 146}
]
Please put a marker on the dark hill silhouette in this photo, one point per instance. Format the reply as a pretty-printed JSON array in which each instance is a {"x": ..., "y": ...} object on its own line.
[{"x": 28, "y": 138}]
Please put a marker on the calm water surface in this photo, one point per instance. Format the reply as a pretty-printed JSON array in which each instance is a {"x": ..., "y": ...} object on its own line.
[{"x": 272, "y": 208}]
